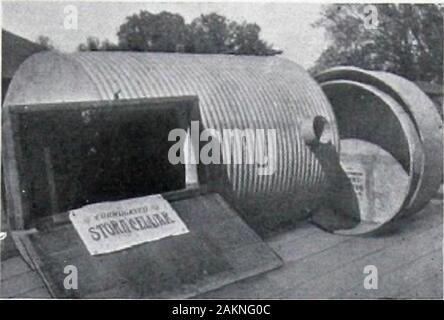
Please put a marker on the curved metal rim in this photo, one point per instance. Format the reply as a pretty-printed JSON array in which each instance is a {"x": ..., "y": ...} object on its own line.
[
  {"x": 416, "y": 154},
  {"x": 421, "y": 111}
]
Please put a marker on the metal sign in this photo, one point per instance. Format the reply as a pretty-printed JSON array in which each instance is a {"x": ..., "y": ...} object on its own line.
[{"x": 112, "y": 226}]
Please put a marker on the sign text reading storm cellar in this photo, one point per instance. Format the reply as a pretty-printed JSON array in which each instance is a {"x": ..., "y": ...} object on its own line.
[
  {"x": 118, "y": 222},
  {"x": 111, "y": 226}
]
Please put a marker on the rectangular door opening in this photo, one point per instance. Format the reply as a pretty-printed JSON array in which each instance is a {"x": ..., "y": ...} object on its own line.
[{"x": 73, "y": 154}]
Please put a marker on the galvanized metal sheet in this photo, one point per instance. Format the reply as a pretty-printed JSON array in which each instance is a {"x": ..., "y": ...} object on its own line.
[{"x": 242, "y": 92}]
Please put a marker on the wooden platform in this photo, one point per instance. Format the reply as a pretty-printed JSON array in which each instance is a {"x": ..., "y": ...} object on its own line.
[{"x": 317, "y": 264}]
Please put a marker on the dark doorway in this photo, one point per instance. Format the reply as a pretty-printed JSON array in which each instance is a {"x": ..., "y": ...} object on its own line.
[{"x": 70, "y": 157}]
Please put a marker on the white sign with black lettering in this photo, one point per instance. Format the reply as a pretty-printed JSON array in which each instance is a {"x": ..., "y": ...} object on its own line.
[{"x": 112, "y": 226}]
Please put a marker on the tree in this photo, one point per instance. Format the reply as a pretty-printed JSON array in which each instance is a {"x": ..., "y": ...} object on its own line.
[
  {"x": 92, "y": 44},
  {"x": 244, "y": 39},
  {"x": 45, "y": 42},
  {"x": 168, "y": 32},
  {"x": 208, "y": 34},
  {"x": 213, "y": 33},
  {"x": 404, "y": 39},
  {"x": 107, "y": 45},
  {"x": 152, "y": 32}
]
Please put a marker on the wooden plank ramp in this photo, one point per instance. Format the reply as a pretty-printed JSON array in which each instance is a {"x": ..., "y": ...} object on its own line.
[
  {"x": 321, "y": 265},
  {"x": 19, "y": 281},
  {"x": 218, "y": 249}
]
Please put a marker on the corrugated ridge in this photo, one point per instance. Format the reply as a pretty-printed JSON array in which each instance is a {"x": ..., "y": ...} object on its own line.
[{"x": 234, "y": 92}]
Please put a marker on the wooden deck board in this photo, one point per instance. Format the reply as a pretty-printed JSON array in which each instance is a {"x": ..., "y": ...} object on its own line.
[
  {"x": 322, "y": 265},
  {"x": 318, "y": 254},
  {"x": 401, "y": 280},
  {"x": 430, "y": 288},
  {"x": 337, "y": 281},
  {"x": 20, "y": 285},
  {"x": 316, "y": 241},
  {"x": 13, "y": 267},
  {"x": 40, "y": 292}
]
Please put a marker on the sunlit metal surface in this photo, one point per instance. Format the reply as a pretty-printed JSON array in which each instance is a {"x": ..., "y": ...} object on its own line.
[{"x": 234, "y": 92}]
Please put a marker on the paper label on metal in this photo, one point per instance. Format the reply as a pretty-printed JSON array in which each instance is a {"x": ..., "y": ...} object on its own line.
[{"x": 112, "y": 226}]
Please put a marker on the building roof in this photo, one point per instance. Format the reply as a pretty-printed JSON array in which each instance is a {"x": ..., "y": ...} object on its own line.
[{"x": 15, "y": 50}]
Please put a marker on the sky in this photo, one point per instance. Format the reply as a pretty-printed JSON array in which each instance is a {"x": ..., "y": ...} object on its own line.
[{"x": 286, "y": 25}]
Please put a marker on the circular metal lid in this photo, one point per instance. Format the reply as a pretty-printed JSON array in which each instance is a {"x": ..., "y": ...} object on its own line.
[
  {"x": 366, "y": 113},
  {"x": 421, "y": 111}
]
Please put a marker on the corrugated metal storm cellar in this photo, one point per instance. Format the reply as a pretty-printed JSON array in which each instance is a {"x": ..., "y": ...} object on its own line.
[
  {"x": 234, "y": 93},
  {"x": 354, "y": 150}
]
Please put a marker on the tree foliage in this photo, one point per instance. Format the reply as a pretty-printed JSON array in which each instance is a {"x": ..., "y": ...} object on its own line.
[
  {"x": 152, "y": 32},
  {"x": 405, "y": 39},
  {"x": 209, "y": 34},
  {"x": 45, "y": 42},
  {"x": 94, "y": 44},
  {"x": 168, "y": 32}
]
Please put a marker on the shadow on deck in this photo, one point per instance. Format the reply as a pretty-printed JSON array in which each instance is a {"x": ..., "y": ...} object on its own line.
[{"x": 317, "y": 264}]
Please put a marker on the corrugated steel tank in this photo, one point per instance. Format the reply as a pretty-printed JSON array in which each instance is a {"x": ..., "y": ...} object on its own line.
[{"x": 242, "y": 92}]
